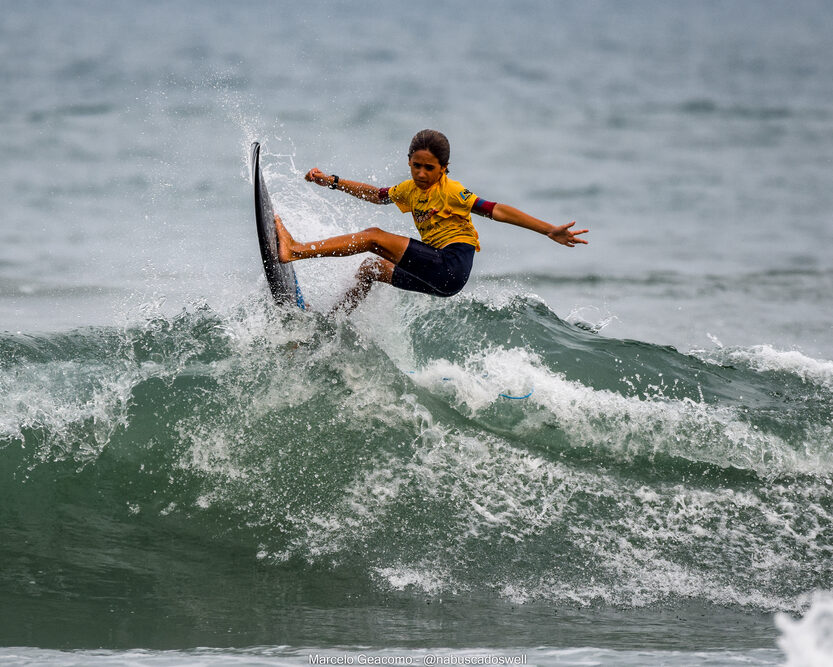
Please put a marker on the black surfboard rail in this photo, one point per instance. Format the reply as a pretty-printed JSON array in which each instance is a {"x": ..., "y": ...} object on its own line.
[{"x": 283, "y": 284}]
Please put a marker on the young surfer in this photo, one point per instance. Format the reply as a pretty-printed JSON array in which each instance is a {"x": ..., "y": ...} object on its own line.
[{"x": 441, "y": 262}]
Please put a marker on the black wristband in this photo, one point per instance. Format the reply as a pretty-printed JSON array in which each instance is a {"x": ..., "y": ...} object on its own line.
[{"x": 333, "y": 185}]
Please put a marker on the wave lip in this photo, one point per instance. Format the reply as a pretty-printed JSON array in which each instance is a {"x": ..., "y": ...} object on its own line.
[{"x": 765, "y": 358}]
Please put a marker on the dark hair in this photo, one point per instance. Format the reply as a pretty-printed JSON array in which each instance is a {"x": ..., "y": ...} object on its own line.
[{"x": 434, "y": 142}]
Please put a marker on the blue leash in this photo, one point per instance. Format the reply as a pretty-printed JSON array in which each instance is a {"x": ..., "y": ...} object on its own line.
[{"x": 516, "y": 398}]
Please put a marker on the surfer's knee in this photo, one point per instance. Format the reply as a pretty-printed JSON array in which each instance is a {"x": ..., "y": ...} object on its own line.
[
  {"x": 374, "y": 236},
  {"x": 386, "y": 245},
  {"x": 374, "y": 269},
  {"x": 369, "y": 270}
]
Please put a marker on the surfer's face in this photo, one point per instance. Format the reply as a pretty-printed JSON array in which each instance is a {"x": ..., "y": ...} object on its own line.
[{"x": 426, "y": 169}]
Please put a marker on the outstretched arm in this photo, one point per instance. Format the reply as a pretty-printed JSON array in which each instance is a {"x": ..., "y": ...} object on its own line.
[
  {"x": 360, "y": 190},
  {"x": 560, "y": 234}
]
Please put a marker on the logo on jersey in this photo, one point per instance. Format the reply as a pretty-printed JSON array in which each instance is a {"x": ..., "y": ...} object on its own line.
[
  {"x": 465, "y": 194},
  {"x": 421, "y": 215}
]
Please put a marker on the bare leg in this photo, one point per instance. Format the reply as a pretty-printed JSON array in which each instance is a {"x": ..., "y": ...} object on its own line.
[
  {"x": 372, "y": 270},
  {"x": 388, "y": 246}
]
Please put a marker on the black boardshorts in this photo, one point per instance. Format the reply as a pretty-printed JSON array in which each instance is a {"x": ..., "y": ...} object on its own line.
[{"x": 441, "y": 272}]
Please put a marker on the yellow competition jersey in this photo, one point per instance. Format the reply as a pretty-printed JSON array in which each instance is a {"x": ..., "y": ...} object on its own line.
[{"x": 442, "y": 214}]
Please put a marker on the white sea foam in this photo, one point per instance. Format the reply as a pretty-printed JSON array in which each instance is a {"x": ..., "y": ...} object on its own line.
[
  {"x": 77, "y": 405},
  {"x": 483, "y": 491},
  {"x": 423, "y": 577},
  {"x": 767, "y": 358},
  {"x": 625, "y": 425},
  {"x": 808, "y": 641}
]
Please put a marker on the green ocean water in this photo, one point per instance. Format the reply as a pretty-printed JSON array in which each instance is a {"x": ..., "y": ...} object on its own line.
[{"x": 246, "y": 477}]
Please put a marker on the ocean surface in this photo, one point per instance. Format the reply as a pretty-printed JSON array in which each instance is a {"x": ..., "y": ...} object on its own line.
[{"x": 190, "y": 475}]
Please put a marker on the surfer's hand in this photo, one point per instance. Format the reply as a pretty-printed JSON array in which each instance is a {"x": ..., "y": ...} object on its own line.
[
  {"x": 315, "y": 175},
  {"x": 565, "y": 236}
]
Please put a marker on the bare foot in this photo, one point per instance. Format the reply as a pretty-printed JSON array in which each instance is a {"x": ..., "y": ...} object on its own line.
[{"x": 285, "y": 241}]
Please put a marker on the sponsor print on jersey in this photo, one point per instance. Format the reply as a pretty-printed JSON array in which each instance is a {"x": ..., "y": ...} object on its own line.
[{"x": 421, "y": 215}]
